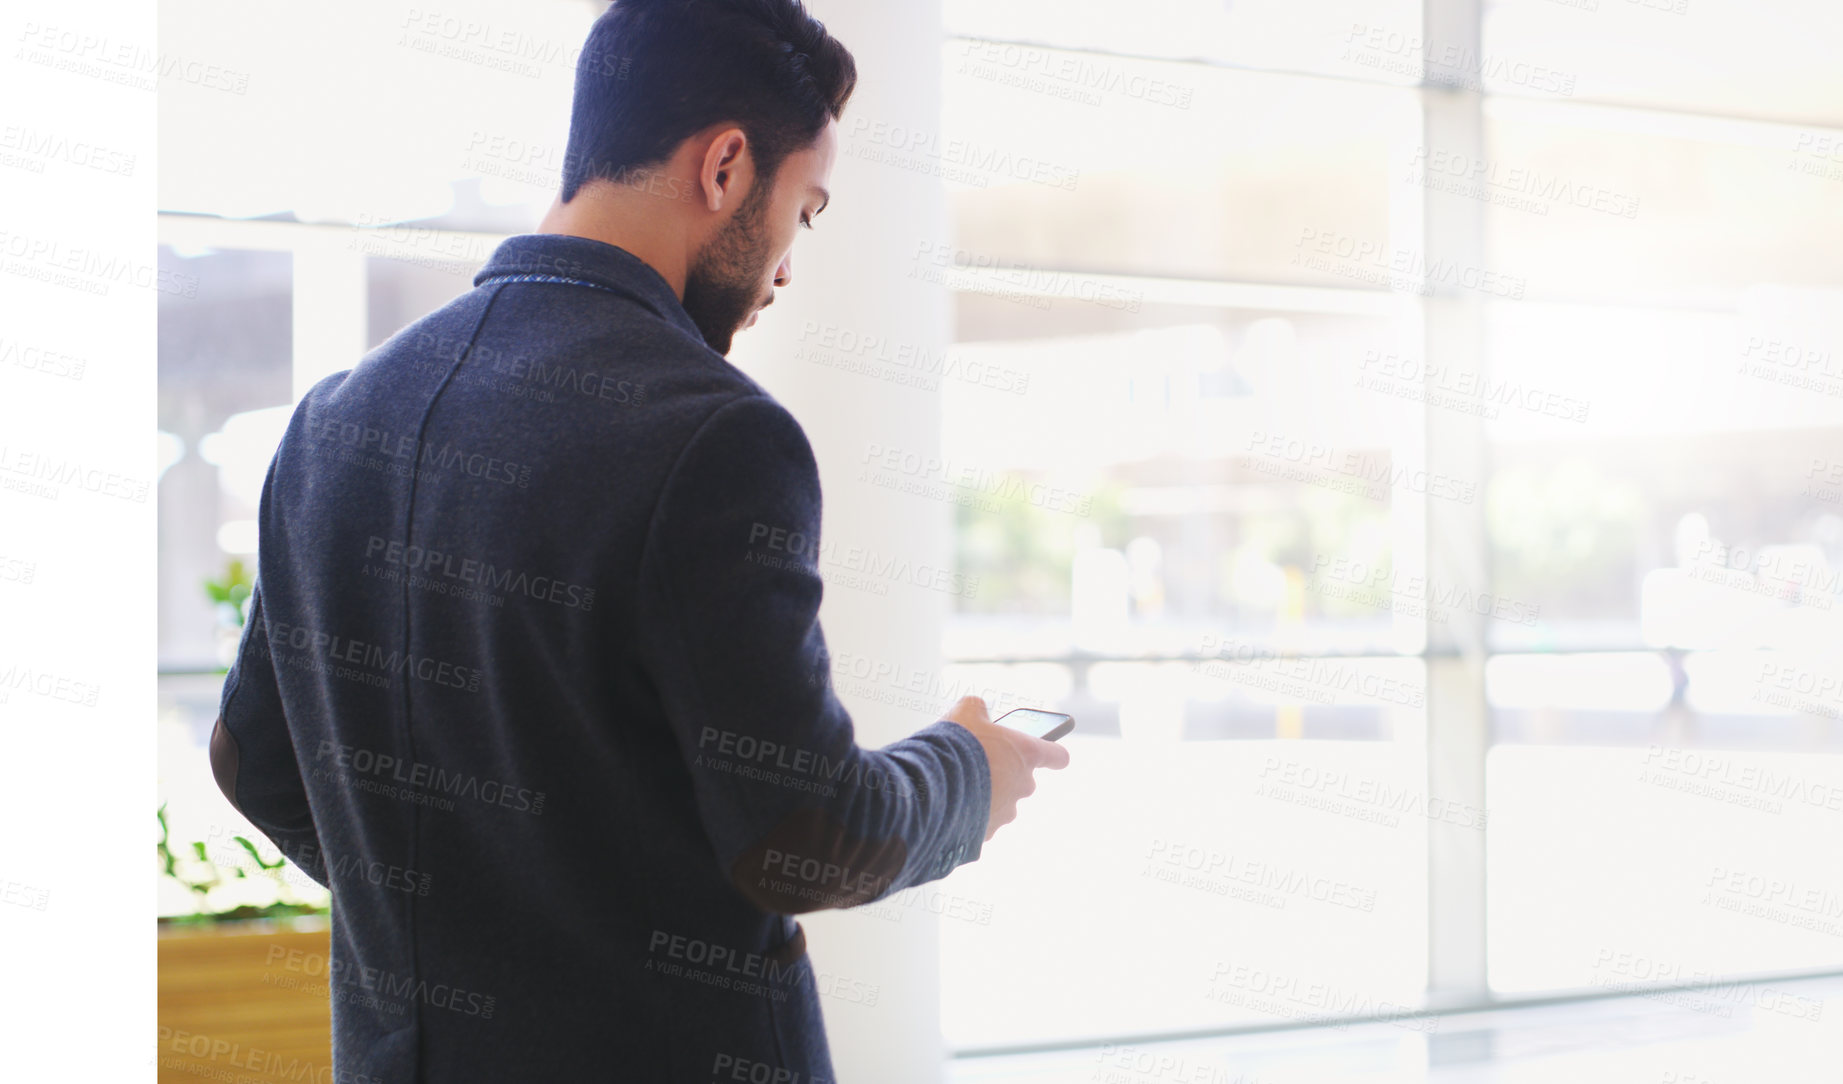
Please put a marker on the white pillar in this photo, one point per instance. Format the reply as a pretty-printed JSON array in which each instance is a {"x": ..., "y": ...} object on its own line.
[
  {"x": 1452, "y": 232},
  {"x": 850, "y": 274}
]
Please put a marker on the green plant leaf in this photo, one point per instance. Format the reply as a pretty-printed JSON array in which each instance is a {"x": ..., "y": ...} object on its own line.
[
  {"x": 233, "y": 588},
  {"x": 256, "y": 855}
]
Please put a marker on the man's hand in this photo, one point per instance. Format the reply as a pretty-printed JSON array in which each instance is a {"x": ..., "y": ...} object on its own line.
[{"x": 1013, "y": 755}]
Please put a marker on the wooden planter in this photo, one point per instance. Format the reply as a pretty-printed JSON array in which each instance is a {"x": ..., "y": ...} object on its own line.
[{"x": 245, "y": 1001}]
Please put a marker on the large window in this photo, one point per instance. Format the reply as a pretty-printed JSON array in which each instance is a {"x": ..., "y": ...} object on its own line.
[{"x": 1424, "y": 496}]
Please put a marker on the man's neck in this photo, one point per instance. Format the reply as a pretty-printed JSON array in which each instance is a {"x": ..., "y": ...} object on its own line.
[{"x": 627, "y": 218}]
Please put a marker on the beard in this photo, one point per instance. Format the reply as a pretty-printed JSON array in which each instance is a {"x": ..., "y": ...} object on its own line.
[{"x": 723, "y": 285}]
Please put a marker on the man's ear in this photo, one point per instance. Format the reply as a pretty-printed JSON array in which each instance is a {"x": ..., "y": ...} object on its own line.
[{"x": 728, "y": 169}]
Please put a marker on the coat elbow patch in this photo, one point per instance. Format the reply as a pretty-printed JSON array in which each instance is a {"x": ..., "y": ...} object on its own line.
[
  {"x": 224, "y": 762},
  {"x": 810, "y": 861}
]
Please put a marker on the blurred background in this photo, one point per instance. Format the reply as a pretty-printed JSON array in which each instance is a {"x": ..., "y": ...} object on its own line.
[{"x": 1408, "y": 436}]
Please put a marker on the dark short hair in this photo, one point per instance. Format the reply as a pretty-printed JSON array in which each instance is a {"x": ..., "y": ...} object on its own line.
[{"x": 654, "y": 72}]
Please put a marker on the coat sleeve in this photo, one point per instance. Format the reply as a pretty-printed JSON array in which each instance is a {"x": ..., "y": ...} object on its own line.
[
  {"x": 252, "y": 754},
  {"x": 801, "y": 818}
]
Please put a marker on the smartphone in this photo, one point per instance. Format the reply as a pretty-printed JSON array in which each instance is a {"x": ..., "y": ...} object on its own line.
[{"x": 1048, "y": 725}]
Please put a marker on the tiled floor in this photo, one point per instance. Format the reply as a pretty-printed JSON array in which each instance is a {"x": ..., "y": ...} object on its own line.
[{"x": 1777, "y": 1033}]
